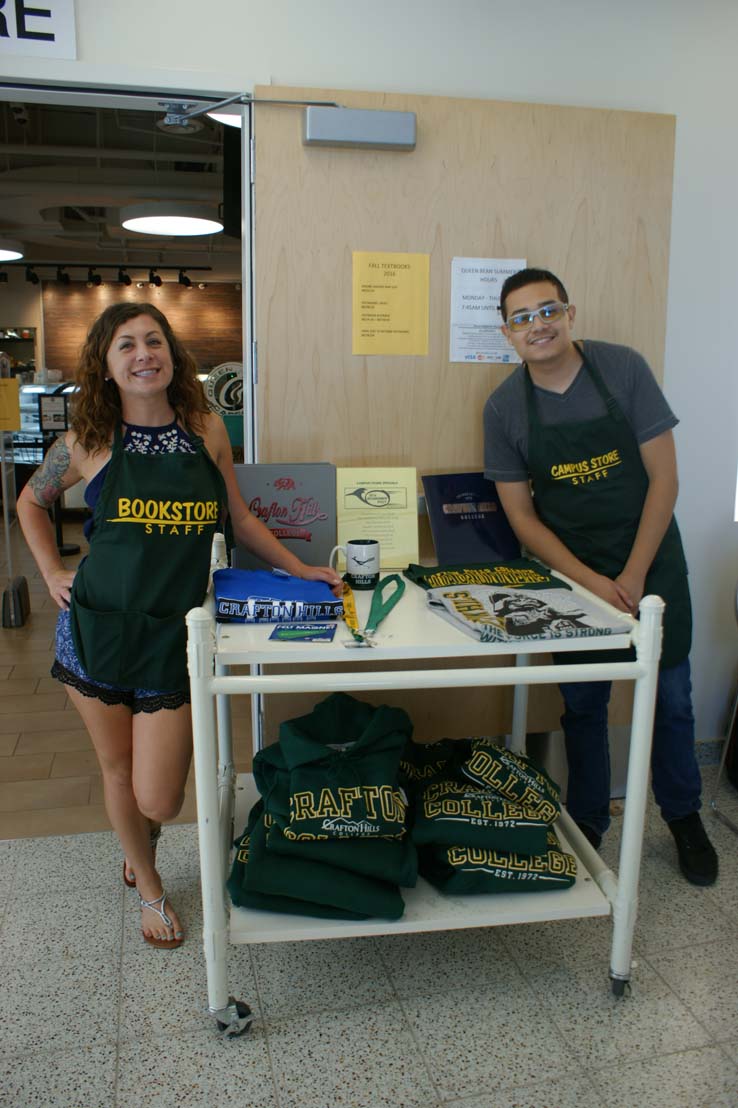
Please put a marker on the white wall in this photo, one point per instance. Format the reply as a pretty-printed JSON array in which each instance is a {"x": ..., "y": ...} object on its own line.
[{"x": 662, "y": 55}]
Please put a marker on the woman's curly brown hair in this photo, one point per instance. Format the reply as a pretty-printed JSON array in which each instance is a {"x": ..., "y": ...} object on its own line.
[{"x": 96, "y": 406}]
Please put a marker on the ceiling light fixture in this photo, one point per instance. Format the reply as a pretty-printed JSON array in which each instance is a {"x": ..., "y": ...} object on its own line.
[
  {"x": 94, "y": 280},
  {"x": 62, "y": 277},
  {"x": 184, "y": 279},
  {"x": 170, "y": 219},
  {"x": 154, "y": 279},
  {"x": 31, "y": 275},
  {"x": 230, "y": 119},
  {"x": 10, "y": 250},
  {"x": 124, "y": 278}
]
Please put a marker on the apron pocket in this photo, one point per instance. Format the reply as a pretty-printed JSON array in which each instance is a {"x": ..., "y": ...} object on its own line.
[
  {"x": 131, "y": 649},
  {"x": 97, "y": 638}
]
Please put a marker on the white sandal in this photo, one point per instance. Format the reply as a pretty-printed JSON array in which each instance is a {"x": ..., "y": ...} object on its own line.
[{"x": 157, "y": 906}]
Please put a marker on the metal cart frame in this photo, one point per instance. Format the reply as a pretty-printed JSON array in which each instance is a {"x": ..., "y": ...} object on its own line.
[{"x": 410, "y": 633}]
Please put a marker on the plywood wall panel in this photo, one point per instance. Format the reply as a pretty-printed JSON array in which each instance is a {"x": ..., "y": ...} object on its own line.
[
  {"x": 583, "y": 191},
  {"x": 207, "y": 320}
]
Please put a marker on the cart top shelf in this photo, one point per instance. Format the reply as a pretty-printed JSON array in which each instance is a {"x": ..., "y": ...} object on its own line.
[{"x": 410, "y": 631}]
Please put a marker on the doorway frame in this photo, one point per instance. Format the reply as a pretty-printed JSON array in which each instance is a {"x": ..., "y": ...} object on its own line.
[{"x": 141, "y": 98}]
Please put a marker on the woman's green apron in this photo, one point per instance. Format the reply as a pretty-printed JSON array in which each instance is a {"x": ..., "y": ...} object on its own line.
[
  {"x": 148, "y": 564},
  {"x": 589, "y": 485}
]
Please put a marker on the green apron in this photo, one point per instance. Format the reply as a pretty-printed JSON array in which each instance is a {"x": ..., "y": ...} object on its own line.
[
  {"x": 148, "y": 564},
  {"x": 589, "y": 485}
]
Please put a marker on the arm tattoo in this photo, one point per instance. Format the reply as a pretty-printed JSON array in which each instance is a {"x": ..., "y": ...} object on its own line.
[{"x": 48, "y": 480}]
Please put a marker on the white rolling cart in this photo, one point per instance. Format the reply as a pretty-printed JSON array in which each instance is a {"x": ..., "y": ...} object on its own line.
[{"x": 410, "y": 633}]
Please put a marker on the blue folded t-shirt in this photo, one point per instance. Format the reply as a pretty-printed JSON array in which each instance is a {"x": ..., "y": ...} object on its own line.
[{"x": 258, "y": 596}]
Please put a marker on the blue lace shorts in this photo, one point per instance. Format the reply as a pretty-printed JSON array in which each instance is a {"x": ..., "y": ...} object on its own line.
[{"x": 67, "y": 668}]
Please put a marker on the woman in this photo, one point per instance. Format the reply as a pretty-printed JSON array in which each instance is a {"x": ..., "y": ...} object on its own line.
[{"x": 160, "y": 479}]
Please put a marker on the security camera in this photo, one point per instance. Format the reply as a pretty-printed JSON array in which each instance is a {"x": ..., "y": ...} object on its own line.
[{"x": 20, "y": 114}]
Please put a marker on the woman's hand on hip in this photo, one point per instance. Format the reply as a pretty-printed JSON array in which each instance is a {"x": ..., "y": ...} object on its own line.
[{"x": 59, "y": 584}]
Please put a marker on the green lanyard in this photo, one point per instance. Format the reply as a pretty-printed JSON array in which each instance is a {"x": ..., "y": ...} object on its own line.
[{"x": 380, "y": 607}]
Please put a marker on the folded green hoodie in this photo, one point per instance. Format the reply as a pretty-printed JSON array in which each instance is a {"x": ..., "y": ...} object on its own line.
[
  {"x": 458, "y": 813},
  {"x": 467, "y": 869},
  {"x": 393, "y": 860},
  {"x": 257, "y": 870},
  {"x": 514, "y": 776},
  {"x": 342, "y": 762}
]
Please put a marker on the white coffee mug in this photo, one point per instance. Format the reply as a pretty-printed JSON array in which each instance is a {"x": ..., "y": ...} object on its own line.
[{"x": 362, "y": 562}]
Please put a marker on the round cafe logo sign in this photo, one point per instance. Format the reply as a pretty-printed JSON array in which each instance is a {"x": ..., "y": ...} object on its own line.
[{"x": 224, "y": 388}]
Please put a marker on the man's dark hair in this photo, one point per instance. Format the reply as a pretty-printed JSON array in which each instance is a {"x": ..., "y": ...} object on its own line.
[{"x": 530, "y": 277}]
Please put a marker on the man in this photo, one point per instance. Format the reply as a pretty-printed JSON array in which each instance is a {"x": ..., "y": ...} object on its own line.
[{"x": 579, "y": 442}]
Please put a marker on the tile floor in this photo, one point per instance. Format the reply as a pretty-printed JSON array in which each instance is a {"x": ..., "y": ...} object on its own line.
[
  {"x": 510, "y": 1016},
  {"x": 90, "y": 1016}
]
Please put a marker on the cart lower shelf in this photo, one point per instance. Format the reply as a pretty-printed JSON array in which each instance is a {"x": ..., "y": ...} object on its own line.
[{"x": 426, "y": 909}]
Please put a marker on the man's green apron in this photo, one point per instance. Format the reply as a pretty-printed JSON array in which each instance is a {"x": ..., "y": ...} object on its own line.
[
  {"x": 148, "y": 565},
  {"x": 589, "y": 485}
]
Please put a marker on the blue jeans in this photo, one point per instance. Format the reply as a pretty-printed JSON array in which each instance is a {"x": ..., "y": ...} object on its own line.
[{"x": 675, "y": 774}]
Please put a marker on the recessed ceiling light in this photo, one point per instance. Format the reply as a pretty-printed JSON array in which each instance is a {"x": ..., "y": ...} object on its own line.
[
  {"x": 170, "y": 219},
  {"x": 10, "y": 250}
]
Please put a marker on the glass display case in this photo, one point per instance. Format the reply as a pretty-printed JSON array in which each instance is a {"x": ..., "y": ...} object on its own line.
[{"x": 28, "y": 443}]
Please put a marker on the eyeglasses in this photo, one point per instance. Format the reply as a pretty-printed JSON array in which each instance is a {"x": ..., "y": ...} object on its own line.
[{"x": 549, "y": 313}]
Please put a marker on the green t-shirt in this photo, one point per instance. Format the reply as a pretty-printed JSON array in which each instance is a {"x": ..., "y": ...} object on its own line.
[{"x": 524, "y": 573}]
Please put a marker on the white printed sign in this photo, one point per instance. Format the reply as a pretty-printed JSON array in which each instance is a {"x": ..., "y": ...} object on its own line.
[
  {"x": 476, "y": 324},
  {"x": 38, "y": 29}
]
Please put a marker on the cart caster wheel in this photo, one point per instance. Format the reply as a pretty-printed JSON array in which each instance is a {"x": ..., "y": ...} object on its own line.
[
  {"x": 620, "y": 988},
  {"x": 240, "y": 1019}
]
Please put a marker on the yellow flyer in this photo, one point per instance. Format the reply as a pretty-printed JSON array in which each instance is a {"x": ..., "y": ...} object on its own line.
[
  {"x": 390, "y": 303},
  {"x": 9, "y": 404},
  {"x": 379, "y": 503}
]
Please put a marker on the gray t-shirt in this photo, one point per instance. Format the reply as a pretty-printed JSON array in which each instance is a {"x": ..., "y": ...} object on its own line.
[{"x": 627, "y": 376}]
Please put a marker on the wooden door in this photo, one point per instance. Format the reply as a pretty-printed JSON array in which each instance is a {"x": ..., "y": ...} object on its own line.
[{"x": 584, "y": 192}]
